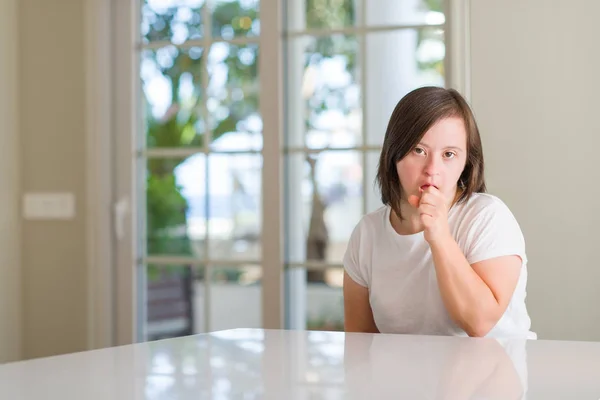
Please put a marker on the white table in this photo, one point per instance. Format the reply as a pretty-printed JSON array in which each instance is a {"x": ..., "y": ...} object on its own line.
[{"x": 273, "y": 364}]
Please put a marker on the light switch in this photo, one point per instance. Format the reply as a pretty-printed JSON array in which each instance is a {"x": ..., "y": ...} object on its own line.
[{"x": 49, "y": 206}]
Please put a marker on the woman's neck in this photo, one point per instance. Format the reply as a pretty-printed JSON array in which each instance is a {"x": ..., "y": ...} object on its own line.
[{"x": 411, "y": 220}]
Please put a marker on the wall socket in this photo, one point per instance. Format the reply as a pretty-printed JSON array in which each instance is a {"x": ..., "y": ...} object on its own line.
[{"x": 49, "y": 206}]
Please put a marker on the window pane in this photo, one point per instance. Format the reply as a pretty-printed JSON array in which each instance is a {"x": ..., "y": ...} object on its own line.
[
  {"x": 324, "y": 73},
  {"x": 176, "y": 299},
  {"x": 171, "y": 82},
  {"x": 324, "y": 300},
  {"x": 320, "y": 221},
  {"x": 405, "y": 12},
  {"x": 235, "y": 297},
  {"x": 232, "y": 103},
  {"x": 398, "y": 62},
  {"x": 171, "y": 20},
  {"x": 175, "y": 206},
  {"x": 171, "y": 303},
  {"x": 321, "y": 14},
  {"x": 231, "y": 18},
  {"x": 235, "y": 206}
]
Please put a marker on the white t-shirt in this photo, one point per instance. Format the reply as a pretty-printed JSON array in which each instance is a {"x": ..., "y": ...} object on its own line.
[{"x": 399, "y": 272}]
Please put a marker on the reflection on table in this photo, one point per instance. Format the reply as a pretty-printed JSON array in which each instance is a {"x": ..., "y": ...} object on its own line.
[{"x": 283, "y": 364}]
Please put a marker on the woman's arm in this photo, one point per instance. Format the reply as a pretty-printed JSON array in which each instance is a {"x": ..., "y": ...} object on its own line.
[
  {"x": 475, "y": 295},
  {"x": 358, "y": 316}
]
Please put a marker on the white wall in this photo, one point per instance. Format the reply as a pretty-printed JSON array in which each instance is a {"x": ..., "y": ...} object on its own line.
[
  {"x": 535, "y": 91},
  {"x": 10, "y": 250},
  {"x": 52, "y": 140}
]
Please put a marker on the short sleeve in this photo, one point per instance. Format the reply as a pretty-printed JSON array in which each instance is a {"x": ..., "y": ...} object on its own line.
[
  {"x": 494, "y": 232},
  {"x": 352, "y": 264}
]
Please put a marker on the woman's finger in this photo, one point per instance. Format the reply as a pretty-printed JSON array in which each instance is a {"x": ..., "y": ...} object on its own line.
[
  {"x": 428, "y": 209},
  {"x": 414, "y": 200},
  {"x": 431, "y": 199}
]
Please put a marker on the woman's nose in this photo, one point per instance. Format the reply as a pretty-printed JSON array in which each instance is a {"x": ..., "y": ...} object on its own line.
[{"x": 432, "y": 166}]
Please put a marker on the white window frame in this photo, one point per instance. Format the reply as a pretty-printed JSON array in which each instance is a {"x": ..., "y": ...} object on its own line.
[
  {"x": 99, "y": 88},
  {"x": 113, "y": 120}
]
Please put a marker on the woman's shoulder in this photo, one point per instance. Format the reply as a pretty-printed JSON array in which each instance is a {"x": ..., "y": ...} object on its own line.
[
  {"x": 486, "y": 228},
  {"x": 375, "y": 219},
  {"x": 372, "y": 223},
  {"x": 484, "y": 213},
  {"x": 482, "y": 204},
  {"x": 363, "y": 240}
]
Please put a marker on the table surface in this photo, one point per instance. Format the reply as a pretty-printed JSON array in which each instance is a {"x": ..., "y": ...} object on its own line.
[{"x": 280, "y": 364}]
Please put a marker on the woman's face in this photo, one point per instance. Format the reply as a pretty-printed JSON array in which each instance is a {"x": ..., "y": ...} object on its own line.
[{"x": 438, "y": 160}]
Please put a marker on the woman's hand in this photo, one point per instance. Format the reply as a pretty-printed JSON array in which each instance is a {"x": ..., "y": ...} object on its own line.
[{"x": 433, "y": 210}]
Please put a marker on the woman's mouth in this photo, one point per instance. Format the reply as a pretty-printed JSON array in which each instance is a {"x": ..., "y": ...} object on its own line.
[{"x": 425, "y": 186}]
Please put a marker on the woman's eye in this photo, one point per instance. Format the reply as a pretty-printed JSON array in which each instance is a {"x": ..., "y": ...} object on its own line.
[
  {"x": 449, "y": 154},
  {"x": 419, "y": 150}
]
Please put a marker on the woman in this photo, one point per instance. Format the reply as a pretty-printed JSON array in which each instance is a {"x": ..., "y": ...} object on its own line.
[{"x": 441, "y": 257}]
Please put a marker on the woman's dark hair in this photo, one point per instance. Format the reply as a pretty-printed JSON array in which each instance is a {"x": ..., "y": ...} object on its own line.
[{"x": 412, "y": 117}]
